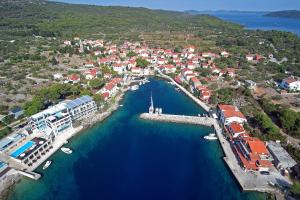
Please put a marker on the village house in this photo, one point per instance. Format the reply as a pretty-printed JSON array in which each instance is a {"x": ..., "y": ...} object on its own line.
[
  {"x": 252, "y": 154},
  {"x": 168, "y": 68},
  {"x": 195, "y": 82},
  {"x": 74, "y": 78},
  {"x": 224, "y": 54},
  {"x": 235, "y": 129},
  {"x": 290, "y": 83},
  {"x": 89, "y": 64},
  {"x": 229, "y": 114},
  {"x": 204, "y": 93},
  {"x": 230, "y": 72},
  {"x": 119, "y": 68},
  {"x": 136, "y": 70},
  {"x": 250, "y": 84},
  {"x": 57, "y": 76},
  {"x": 91, "y": 74}
]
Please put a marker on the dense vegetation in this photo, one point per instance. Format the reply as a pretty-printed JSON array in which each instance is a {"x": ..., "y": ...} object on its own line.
[
  {"x": 48, "y": 96},
  {"x": 286, "y": 118},
  {"x": 60, "y": 19}
]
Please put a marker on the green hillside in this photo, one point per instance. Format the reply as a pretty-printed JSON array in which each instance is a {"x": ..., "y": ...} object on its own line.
[{"x": 21, "y": 18}]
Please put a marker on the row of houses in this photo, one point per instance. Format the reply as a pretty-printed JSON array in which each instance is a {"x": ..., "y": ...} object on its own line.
[{"x": 252, "y": 153}]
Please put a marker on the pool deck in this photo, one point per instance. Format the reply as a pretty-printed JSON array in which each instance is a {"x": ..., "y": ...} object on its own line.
[{"x": 249, "y": 181}]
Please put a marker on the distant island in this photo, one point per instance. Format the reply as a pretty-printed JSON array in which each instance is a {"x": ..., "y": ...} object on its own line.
[{"x": 295, "y": 14}]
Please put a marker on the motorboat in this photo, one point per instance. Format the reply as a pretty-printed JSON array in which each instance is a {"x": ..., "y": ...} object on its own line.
[
  {"x": 134, "y": 87},
  {"x": 47, "y": 164},
  {"x": 211, "y": 136},
  {"x": 66, "y": 150}
]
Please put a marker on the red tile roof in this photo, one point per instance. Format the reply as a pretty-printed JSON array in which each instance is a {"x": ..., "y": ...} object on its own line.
[{"x": 257, "y": 146}]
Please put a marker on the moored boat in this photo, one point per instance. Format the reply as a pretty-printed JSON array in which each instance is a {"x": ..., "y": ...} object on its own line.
[
  {"x": 47, "y": 164},
  {"x": 66, "y": 150},
  {"x": 211, "y": 136},
  {"x": 134, "y": 87}
]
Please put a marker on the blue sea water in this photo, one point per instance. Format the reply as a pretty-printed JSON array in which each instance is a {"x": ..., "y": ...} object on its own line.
[
  {"x": 128, "y": 158},
  {"x": 257, "y": 20}
]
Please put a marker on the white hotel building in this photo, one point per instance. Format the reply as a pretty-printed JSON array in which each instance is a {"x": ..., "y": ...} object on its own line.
[{"x": 59, "y": 118}]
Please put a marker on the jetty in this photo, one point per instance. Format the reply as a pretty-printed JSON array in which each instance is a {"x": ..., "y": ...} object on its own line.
[{"x": 203, "y": 121}]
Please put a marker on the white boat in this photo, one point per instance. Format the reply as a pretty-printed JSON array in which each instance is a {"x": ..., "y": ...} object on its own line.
[
  {"x": 134, "y": 87},
  {"x": 66, "y": 150},
  {"x": 121, "y": 105},
  {"x": 211, "y": 136},
  {"x": 47, "y": 164}
]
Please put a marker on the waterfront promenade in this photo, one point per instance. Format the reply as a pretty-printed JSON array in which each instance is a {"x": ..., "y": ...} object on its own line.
[{"x": 249, "y": 181}]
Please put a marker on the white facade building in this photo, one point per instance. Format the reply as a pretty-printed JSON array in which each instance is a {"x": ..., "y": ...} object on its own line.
[
  {"x": 81, "y": 107},
  {"x": 291, "y": 83}
]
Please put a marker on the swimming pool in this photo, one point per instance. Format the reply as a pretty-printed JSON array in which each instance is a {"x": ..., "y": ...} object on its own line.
[{"x": 22, "y": 149}]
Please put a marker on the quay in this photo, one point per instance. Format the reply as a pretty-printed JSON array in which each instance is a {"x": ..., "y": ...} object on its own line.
[
  {"x": 204, "y": 121},
  {"x": 248, "y": 180}
]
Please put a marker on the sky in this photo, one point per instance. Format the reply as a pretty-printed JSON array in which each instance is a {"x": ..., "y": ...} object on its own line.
[{"x": 180, "y": 5}]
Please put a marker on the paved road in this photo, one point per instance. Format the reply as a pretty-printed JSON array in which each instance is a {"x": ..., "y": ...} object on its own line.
[{"x": 38, "y": 80}]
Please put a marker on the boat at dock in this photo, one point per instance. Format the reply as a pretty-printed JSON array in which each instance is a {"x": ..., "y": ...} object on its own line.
[
  {"x": 66, "y": 150},
  {"x": 134, "y": 87},
  {"x": 47, "y": 164},
  {"x": 211, "y": 136}
]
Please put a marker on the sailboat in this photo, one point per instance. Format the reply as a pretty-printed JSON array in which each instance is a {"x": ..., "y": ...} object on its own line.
[{"x": 151, "y": 108}]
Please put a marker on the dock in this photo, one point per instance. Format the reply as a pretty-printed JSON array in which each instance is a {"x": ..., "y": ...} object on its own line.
[
  {"x": 203, "y": 121},
  {"x": 249, "y": 181}
]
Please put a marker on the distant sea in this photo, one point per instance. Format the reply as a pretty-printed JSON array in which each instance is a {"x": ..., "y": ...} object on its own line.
[
  {"x": 125, "y": 158},
  {"x": 257, "y": 20}
]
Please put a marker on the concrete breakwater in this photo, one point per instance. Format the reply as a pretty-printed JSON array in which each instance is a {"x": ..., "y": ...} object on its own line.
[{"x": 204, "y": 121}]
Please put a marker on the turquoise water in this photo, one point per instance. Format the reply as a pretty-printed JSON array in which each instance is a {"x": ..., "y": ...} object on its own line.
[{"x": 127, "y": 158}]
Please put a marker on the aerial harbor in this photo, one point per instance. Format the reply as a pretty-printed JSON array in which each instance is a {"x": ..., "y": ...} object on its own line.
[{"x": 118, "y": 100}]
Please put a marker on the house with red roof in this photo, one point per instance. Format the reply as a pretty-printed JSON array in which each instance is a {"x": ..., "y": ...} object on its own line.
[
  {"x": 161, "y": 61},
  {"x": 195, "y": 82},
  {"x": 191, "y": 49},
  {"x": 235, "y": 129},
  {"x": 91, "y": 73},
  {"x": 74, "y": 78},
  {"x": 229, "y": 114},
  {"x": 136, "y": 70},
  {"x": 204, "y": 93},
  {"x": 168, "y": 68},
  {"x": 252, "y": 154},
  {"x": 191, "y": 65},
  {"x": 119, "y": 68},
  {"x": 110, "y": 88}
]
